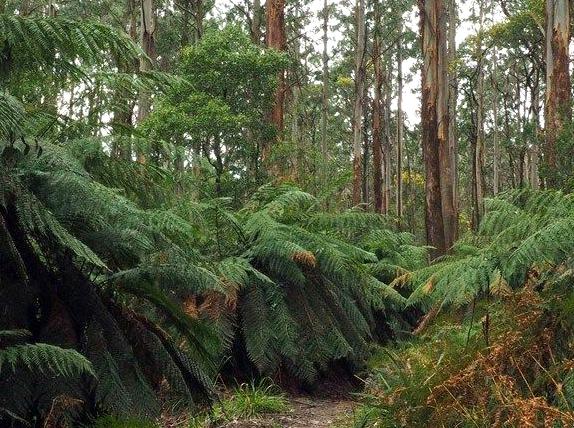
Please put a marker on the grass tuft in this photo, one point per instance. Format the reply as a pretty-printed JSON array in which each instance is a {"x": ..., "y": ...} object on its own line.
[{"x": 247, "y": 401}]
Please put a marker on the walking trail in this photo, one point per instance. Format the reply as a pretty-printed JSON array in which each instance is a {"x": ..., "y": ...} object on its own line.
[{"x": 305, "y": 412}]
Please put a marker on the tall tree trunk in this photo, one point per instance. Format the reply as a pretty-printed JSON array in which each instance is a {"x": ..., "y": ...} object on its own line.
[
  {"x": 534, "y": 158},
  {"x": 185, "y": 22},
  {"x": 387, "y": 152},
  {"x": 325, "y": 94},
  {"x": 198, "y": 14},
  {"x": 296, "y": 139},
  {"x": 445, "y": 157},
  {"x": 434, "y": 120},
  {"x": 495, "y": 142},
  {"x": 558, "y": 108},
  {"x": 506, "y": 100},
  {"x": 478, "y": 154},
  {"x": 410, "y": 194},
  {"x": 452, "y": 105},
  {"x": 400, "y": 125},
  {"x": 256, "y": 22},
  {"x": 377, "y": 136},
  {"x": 275, "y": 39},
  {"x": 358, "y": 104},
  {"x": 147, "y": 40},
  {"x": 366, "y": 154},
  {"x": 122, "y": 122}
]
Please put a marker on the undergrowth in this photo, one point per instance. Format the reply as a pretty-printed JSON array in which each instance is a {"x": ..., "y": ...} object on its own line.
[
  {"x": 498, "y": 363},
  {"x": 247, "y": 401}
]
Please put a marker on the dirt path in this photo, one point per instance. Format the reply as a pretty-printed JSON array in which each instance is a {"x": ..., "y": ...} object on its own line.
[{"x": 306, "y": 412}]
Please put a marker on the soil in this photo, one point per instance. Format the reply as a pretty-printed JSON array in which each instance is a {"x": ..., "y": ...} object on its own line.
[{"x": 306, "y": 412}]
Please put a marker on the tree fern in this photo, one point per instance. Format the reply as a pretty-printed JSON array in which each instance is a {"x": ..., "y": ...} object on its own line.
[
  {"x": 11, "y": 116},
  {"x": 60, "y": 41},
  {"x": 520, "y": 231},
  {"x": 43, "y": 357},
  {"x": 41, "y": 204}
]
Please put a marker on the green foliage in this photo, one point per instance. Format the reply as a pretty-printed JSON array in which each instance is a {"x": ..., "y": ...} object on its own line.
[
  {"x": 250, "y": 400},
  {"x": 115, "y": 422},
  {"x": 43, "y": 357},
  {"x": 521, "y": 230},
  {"x": 302, "y": 293},
  {"x": 11, "y": 115},
  {"x": 507, "y": 363},
  {"x": 501, "y": 361},
  {"x": 244, "y": 403},
  {"x": 220, "y": 116},
  {"x": 64, "y": 238},
  {"x": 318, "y": 301},
  {"x": 303, "y": 296},
  {"x": 59, "y": 42}
]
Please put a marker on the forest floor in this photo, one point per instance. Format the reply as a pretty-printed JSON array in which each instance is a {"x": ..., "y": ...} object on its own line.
[{"x": 304, "y": 412}]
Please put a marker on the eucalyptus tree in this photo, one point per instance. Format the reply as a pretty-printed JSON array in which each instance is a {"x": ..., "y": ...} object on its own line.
[
  {"x": 377, "y": 137},
  {"x": 440, "y": 215},
  {"x": 558, "y": 87},
  {"x": 400, "y": 123},
  {"x": 357, "y": 118},
  {"x": 275, "y": 38},
  {"x": 325, "y": 80}
]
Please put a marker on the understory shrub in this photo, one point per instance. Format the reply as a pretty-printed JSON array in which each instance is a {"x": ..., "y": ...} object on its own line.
[{"x": 506, "y": 362}]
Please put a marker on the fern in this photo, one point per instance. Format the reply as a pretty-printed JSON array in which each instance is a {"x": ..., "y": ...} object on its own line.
[
  {"x": 521, "y": 230},
  {"x": 68, "y": 241},
  {"x": 42, "y": 357},
  {"x": 11, "y": 116},
  {"x": 43, "y": 221},
  {"x": 319, "y": 285},
  {"x": 60, "y": 41}
]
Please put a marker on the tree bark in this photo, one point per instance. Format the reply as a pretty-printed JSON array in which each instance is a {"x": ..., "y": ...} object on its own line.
[
  {"x": 495, "y": 142},
  {"x": 558, "y": 97},
  {"x": 534, "y": 153},
  {"x": 445, "y": 157},
  {"x": 296, "y": 137},
  {"x": 358, "y": 104},
  {"x": 377, "y": 136},
  {"x": 366, "y": 154},
  {"x": 478, "y": 154},
  {"x": 256, "y": 23},
  {"x": 123, "y": 105},
  {"x": 434, "y": 123},
  {"x": 275, "y": 39},
  {"x": 387, "y": 152},
  {"x": 452, "y": 105},
  {"x": 400, "y": 126},
  {"x": 325, "y": 94},
  {"x": 185, "y": 21},
  {"x": 147, "y": 41},
  {"x": 198, "y": 14}
]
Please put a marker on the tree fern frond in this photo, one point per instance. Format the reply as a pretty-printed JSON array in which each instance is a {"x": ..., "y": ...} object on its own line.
[
  {"x": 520, "y": 229},
  {"x": 204, "y": 344},
  {"x": 11, "y": 116},
  {"x": 43, "y": 357},
  {"x": 46, "y": 39}
]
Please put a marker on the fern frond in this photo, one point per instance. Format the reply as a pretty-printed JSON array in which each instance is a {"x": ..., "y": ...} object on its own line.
[
  {"x": 42, "y": 357},
  {"x": 521, "y": 229},
  {"x": 47, "y": 40},
  {"x": 11, "y": 116}
]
